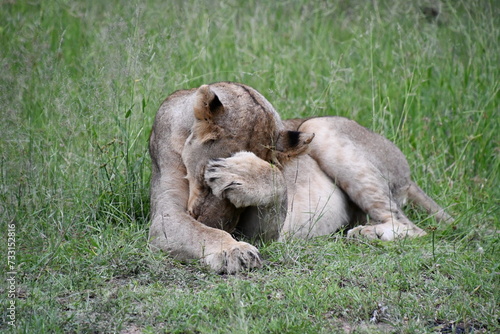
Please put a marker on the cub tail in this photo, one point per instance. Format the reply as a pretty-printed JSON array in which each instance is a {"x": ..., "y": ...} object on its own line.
[{"x": 419, "y": 197}]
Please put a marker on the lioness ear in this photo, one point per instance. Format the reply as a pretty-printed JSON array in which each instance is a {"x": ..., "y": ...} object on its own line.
[
  {"x": 206, "y": 106},
  {"x": 291, "y": 144}
]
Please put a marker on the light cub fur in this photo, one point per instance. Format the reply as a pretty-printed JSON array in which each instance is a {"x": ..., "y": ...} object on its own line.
[{"x": 222, "y": 159}]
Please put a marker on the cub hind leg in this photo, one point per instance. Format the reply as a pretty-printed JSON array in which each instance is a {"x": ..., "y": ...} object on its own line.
[{"x": 370, "y": 169}]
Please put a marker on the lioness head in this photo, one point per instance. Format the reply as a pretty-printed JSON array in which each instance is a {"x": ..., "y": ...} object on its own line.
[{"x": 229, "y": 118}]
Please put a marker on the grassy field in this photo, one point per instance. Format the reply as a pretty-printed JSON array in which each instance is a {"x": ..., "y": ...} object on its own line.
[{"x": 80, "y": 83}]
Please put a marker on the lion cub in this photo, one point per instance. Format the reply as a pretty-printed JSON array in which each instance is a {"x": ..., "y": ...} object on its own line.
[{"x": 222, "y": 159}]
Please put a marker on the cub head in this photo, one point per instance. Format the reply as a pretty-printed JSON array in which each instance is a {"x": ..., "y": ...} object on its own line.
[{"x": 229, "y": 118}]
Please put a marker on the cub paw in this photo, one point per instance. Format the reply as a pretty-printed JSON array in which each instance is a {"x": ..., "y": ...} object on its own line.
[
  {"x": 368, "y": 232},
  {"x": 384, "y": 232},
  {"x": 240, "y": 256}
]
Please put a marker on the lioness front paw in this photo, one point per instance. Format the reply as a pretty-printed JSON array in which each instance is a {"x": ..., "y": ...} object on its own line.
[
  {"x": 245, "y": 180},
  {"x": 221, "y": 178},
  {"x": 238, "y": 257},
  {"x": 231, "y": 178}
]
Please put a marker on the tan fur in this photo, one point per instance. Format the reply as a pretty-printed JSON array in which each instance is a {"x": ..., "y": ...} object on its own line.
[{"x": 224, "y": 160}]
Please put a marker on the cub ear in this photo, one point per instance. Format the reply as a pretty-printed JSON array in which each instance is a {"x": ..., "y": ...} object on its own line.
[
  {"x": 291, "y": 144},
  {"x": 206, "y": 106}
]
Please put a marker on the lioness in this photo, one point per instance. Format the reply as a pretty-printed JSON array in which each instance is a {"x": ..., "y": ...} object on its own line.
[{"x": 222, "y": 159}]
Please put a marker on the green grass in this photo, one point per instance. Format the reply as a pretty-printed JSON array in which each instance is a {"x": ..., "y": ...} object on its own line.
[{"x": 80, "y": 83}]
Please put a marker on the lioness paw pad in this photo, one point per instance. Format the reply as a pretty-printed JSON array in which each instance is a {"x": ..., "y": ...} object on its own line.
[{"x": 237, "y": 258}]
